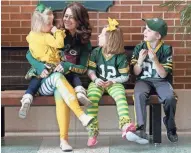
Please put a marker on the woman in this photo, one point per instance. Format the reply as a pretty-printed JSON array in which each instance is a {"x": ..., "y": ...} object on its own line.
[{"x": 78, "y": 33}]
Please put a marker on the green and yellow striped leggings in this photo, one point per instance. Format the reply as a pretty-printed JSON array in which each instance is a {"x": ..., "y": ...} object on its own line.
[{"x": 117, "y": 92}]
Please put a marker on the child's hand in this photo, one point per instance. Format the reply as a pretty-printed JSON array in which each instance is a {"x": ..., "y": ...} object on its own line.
[
  {"x": 44, "y": 73},
  {"x": 53, "y": 30},
  {"x": 99, "y": 82},
  {"x": 59, "y": 68},
  {"x": 152, "y": 55},
  {"x": 108, "y": 83},
  {"x": 142, "y": 55}
]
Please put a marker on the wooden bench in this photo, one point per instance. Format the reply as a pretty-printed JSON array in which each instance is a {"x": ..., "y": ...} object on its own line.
[
  {"x": 11, "y": 98},
  {"x": 15, "y": 66}
]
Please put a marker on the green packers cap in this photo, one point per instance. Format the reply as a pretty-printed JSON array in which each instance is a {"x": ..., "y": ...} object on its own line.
[{"x": 157, "y": 24}]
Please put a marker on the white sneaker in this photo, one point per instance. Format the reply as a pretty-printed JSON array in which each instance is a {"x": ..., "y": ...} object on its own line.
[
  {"x": 25, "y": 101},
  {"x": 83, "y": 99},
  {"x": 131, "y": 136},
  {"x": 65, "y": 146},
  {"x": 85, "y": 119}
]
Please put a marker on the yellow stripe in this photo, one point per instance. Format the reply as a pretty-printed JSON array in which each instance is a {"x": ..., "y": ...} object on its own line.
[
  {"x": 167, "y": 67},
  {"x": 92, "y": 109},
  {"x": 124, "y": 70},
  {"x": 167, "y": 64},
  {"x": 94, "y": 98},
  {"x": 157, "y": 48},
  {"x": 92, "y": 65}
]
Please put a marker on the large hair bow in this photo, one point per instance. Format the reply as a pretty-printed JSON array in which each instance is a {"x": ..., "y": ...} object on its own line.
[
  {"x": 112, "y": 24},
  {"x": 40, "y": 7}
]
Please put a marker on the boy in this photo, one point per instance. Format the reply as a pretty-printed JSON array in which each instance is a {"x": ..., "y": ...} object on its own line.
[{"x": 152, "y": 64}]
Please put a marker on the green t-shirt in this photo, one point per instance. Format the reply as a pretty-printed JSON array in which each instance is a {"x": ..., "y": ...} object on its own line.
[
  {"x": 164, "y": 55},
  {"x": 108, "y": 68}
]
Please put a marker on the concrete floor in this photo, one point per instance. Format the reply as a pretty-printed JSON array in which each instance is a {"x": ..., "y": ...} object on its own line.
[{"x": 106, "y": 144}]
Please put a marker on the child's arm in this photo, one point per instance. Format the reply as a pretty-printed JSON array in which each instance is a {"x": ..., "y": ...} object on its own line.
[
  {"x": 165, "y": 66},
  {"x": 94, "y": 78},
  {"x": 57, "y": 39}
]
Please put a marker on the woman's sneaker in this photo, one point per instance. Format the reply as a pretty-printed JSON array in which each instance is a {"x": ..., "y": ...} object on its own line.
[
  {"x": 65, "y": 146},
  {"x": 171, "y": 133},
  {"x": 26, "y": 102},
  {"x": 92, "y": 141}
]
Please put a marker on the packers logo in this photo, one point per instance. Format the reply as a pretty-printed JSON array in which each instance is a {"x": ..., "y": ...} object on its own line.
[
  {"x": 73, "y": 52},
  {"x": 169, "y": 59}
]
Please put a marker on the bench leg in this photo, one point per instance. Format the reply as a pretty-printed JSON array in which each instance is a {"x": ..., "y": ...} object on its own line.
[
  {"x": 150, "y": 120},
  {"x": 2, "y": 121},
  {"x": 156, "y": 123}
]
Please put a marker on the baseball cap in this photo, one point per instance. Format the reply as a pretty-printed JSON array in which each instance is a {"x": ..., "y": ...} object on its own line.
[{"x": 157, "y": 24}]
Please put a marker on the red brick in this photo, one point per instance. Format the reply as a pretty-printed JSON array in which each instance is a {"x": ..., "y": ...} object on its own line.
[
  {"x": 178, "y": 86},
  {"x": 58, "y": 15},
  {"x": 127, "y": 37},
  {"x": 4, "y": 16},
  {"x": 4, "y": 3},
  {"x": 11, "y": 38},
  {"x": 23, "y": 38},
  {"x": 120, "y": 9},
  {"x": 175, "y": 43},
  {"x": 130, "y": 15},
  {"x": 28, "y": 9},
  {"x": 182, "y": 36},
  {"x": 160, "y": 9},
  {"x": 92, "y": 15},
  {"x": 178, "y": 72},
  {"x": 124, "y": 22},
  {"x": 93, "y": 22},
  {"x": 131, "y": 29},
  {"x": 188, "y": 72},
  {"x": 170, "y": 22},
  {"x": 26, "y": 24},
  {"x": 33, "y": 2},
  {"x": 188, "y": 58},
  {"x": 187, "y": 86},
  {"x": 172, "y": 15},
  {"x": 13, "y": 2},
  {"x": 151, "y": 15},
  {"x": 5, "y": 44},
  {"x": 106, "y": 15},
  {"x": 94, "y": 43},
  {"x": 19, "y": 44},
  {"x": 20, "y": 30},
  {"x": 10, "y": 23},
  {"x": 94, "y": 37},
  {"x": 169, "y": 37},
  {"x": 182, "y": 65},
  {"x": 20, "y": 16},
  {"x": 5, "y": 31},
  {"x": 182, "y": 79},
  {"x": 125, "y": 2},
  {"x": 141, "y": 8},
  {"x": 137, "y": 23},
  {"x": 178, "y": 58},
  {"x": 182, "y": 51},
  {"x": 188, "y": 44},
  {"x": 152, "y": 2},
  {"x": 131, "y": 43},
  {"x": 9, "y": 9},
  {"x": 137, "y": 37}
]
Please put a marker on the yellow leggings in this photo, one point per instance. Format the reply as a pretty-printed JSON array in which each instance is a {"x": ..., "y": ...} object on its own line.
[{"x": 65, "y": 99}]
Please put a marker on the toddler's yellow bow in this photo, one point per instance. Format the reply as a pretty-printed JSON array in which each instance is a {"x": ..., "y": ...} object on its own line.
[{"x": 112, "y": 24}]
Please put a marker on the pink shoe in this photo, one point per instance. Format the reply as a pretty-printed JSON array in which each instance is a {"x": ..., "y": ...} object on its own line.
[
  {"x": 92, "y": 141},
  {"x": 128, "y": 127}
]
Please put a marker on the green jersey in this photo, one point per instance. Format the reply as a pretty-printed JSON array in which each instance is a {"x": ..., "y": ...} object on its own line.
[
  {"x": 164, "y": 55},
  {"x": 108, "y": 67}
]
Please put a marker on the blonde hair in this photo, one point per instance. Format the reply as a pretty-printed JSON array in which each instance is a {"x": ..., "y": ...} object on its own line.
[
  {"x": 39, "y": 20},
  {"x": 114, "y": 42}
]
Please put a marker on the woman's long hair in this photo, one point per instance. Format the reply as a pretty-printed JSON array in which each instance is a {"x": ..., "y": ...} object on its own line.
[{"x": 80, "y": 13}]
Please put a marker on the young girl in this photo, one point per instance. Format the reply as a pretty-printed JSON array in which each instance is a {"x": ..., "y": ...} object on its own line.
[
  {"x": 108, "y": 69},
  {"x": 44, "y": 47}
]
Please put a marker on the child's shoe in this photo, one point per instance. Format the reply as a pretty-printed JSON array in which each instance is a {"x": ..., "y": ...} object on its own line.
[
  {"x": 65, "y": 146},
  {"x": 139, "y": 137},
  {"x": 92, "y": 141},
  {"x": 128, "y": 127},
  {"x": 85, "y": 119},
  {"x": 81, "y": 95},
  {"x": 25, "y": 101}
]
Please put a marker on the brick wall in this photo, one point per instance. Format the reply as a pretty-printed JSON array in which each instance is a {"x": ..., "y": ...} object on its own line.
[{"x": 15, "y": 22}]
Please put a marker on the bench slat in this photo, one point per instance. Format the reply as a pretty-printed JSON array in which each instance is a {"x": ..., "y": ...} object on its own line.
[{"x": 13, "y": 97}]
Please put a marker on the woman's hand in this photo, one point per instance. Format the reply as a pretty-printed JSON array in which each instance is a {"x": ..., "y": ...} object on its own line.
[
  {"x": 59, "y": 68},
  {"x": 53, "y": 30},
  {"x": 44, "y": 73}
]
